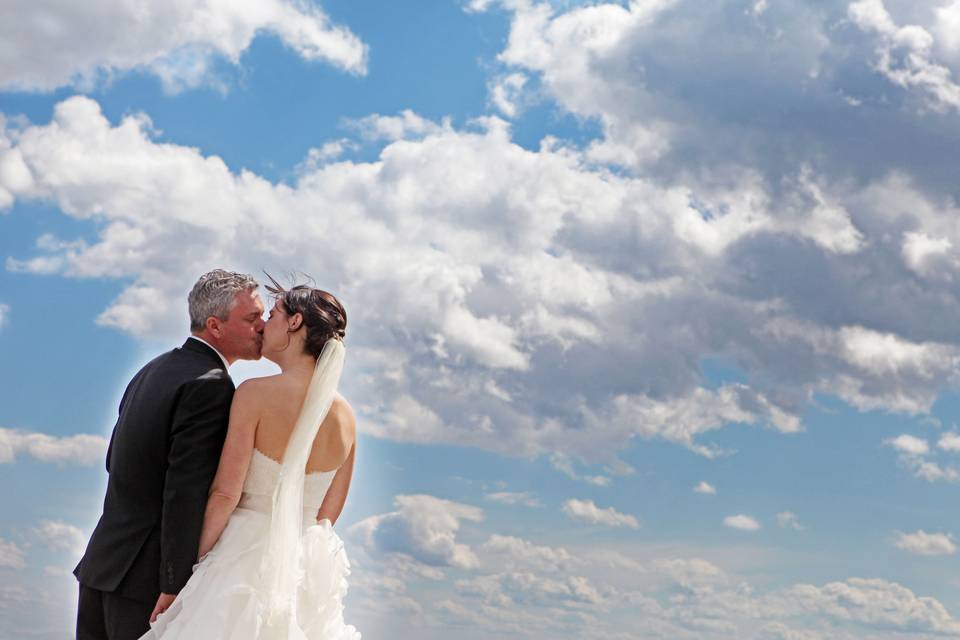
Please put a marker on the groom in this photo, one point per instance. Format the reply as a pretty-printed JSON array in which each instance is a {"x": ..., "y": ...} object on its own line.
[{"x": 162, "y": 457}]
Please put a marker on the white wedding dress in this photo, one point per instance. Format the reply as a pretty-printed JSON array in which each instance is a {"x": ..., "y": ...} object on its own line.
[{"x": 297, "y": 592}]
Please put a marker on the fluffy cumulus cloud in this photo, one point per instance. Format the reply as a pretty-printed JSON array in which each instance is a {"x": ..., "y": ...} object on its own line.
[
  {"x": 742, "y": 522},
  {"x": 702, "y": 114},
  {"x": 514, "y": 279},
  {"x": 703, "y": 121},
  {"x": 83, "y": 449},
  {"x": 11, "y": 555},
  {"x": 520, "y": 589},
  {"x": 517, "y": 553},
  {"x": 705, "y": 488},
  {"x": 51, "y": 44},
  {"x": 914, "y": 453},
  {"x": 909, "y": 445},
  {"x": 587, "y": 511},
  {"x": 62, "y": 536},
  {"x": 905, "y": 52},
  {"x": 926, "y": 544},
  {"x": 949, "y": 441},
  {"x": 423, "y": 527},
  {"x": 876, "y": 603}
]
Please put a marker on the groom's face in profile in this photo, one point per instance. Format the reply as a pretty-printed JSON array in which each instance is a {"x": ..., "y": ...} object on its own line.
[{"x": 243, "y": 330}]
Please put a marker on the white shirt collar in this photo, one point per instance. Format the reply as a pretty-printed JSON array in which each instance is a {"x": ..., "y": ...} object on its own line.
[{"x": 226, "y": 364}]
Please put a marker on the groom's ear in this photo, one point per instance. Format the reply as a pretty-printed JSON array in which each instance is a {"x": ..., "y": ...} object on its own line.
[{"x": 214, "y": 326}]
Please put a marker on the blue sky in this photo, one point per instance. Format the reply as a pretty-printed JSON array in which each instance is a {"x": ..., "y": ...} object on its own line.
[{"x": 651, "y": 304}]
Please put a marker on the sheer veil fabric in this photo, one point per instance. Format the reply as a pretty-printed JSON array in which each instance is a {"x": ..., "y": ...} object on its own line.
[{"x": 280, "y": 572}]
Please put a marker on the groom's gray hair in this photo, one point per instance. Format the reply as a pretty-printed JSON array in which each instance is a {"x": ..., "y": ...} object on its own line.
[{"x": 214, "y": 294}]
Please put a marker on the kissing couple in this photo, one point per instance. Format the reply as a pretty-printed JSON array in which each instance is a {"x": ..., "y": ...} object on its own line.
[{"x": 220, "y": 504}]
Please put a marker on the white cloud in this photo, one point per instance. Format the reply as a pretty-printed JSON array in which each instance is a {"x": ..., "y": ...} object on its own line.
[
  {"x": 924, "y": 254},
  {"x": 884, "y": 354},
  {"x": 705, "y": 488},
  {"x": 614, "y": 64},
  {"x": 587, "y": 511},
  {"x": 60, "y": 535},
  {"x": 876, "y": 603},
  {"x": 516, "y": 589},
  {"x": 913, "y": 453},
  {"x": 789, "y": 520},
  {"x": 742, "y": 522},
  {"x": 687, "y": 572},
  {"x": 406, "y": 125},
  {"x": 564, "y": 464},
  {"x": 11, "y": 555},
  {"x": 871, "y": 369},
  {"x": 594, "y": 61},
  {"x": 84, "y": 449},
  {"x": 53, "y": 44},
  {"x": 934, "y": 472},
  {"x": 905, "y": 53},
  {"x": 4, "y": 314},
  {"x": 908, "y": 444},
  {"x": 681, "y": 419},
  {"x": 506, "y": 93},
  {"x": 516, "y": 553},
  {"x": 423, "y": 527},
  {"x": 872, "y": 15},
  {"x": 949, "y": 441},
  {"x": 524, "y": 498},
  {"x": 317, "y": 157},
  {"x": 926, "y": 544},
  {"x": 947, "y": 28},
  {"x": 486, "y": 605}
]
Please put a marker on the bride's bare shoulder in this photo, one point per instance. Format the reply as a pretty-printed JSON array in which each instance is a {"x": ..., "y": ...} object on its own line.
[
  {"x": 344, "y": 417},
  {"x": 255, "y": 391}
]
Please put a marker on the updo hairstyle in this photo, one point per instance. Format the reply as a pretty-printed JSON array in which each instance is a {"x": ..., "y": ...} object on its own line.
[{"x": 323, "y": 315}]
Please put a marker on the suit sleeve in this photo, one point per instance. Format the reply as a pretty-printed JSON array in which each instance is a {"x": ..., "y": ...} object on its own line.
[
  {"x": 197, "y": 433},
  {"x": 123, "y": 401},
  {"x": 110, "y": 448}
]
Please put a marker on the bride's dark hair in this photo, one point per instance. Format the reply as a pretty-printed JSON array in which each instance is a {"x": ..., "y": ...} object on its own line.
[{"x": 323, "y": 315}]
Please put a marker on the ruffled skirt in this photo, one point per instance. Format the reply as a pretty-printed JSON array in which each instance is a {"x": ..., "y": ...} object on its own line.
[{"x": 219, "y": 601}]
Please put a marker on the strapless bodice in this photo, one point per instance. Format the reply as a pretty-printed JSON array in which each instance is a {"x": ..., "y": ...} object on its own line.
[{"x": 262, "y": 478}]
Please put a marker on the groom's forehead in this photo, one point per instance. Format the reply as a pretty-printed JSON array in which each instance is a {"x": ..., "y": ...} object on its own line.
[{"x": 249, "y": 301}]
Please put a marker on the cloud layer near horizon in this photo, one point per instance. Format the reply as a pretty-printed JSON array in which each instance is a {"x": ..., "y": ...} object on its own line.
[{"x": 508, "y": 583}]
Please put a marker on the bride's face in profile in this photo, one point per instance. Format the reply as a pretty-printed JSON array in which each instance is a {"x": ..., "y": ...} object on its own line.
[{"x": 279, "y": 335}]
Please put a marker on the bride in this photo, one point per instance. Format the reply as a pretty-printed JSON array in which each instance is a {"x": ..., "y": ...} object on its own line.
[{"x": 270, "y": 565}]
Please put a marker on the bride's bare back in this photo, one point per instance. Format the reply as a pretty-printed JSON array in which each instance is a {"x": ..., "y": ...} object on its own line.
[
  {"x": 262, "y": 416},
  {"x": 279, "y": 399}
]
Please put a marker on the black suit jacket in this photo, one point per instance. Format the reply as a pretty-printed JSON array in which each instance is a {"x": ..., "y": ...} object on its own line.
[{"x": 162, "y": 458}]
